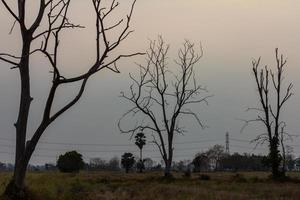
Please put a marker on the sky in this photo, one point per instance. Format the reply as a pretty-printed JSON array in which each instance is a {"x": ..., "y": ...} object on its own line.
[{"x": 232, "y": 33}]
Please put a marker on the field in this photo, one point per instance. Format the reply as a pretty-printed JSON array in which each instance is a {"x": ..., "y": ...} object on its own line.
[{"x": 148, "y": 186}]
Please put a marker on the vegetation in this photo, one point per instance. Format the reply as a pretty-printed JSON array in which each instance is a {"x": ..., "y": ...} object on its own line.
[
  {"x": 97, "y": 164},
  {"x": 161, "y": 99},
  {"x": 149, "y": 186},
  {"x": 127, "y": 161},
  {"x": 215, "y": 159},
  {"x": 140, "y": 141},
  {"x": 70, "y": 162}
]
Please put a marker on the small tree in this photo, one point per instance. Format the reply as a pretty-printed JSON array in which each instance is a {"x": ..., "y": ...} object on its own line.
[
  {"x": 70, "y": 162},
  {"x": 200, "y": 162},
  {"x": 114, "y": 164},
  {"x": 269, "y": 113},
  {"x": 148, "y": 163},
  {"x": 140, "y": 141},
  {"x": 287, "y": 157},
  {"x": 215, "y": 154},
  {"x": 127, "y": 161},
  {"x": 98, "y": 164},
  {"x": 161, "y": 98}
]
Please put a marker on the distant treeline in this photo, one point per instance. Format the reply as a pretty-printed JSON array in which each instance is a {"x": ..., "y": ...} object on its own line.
[{"x": 214, "y": 159}]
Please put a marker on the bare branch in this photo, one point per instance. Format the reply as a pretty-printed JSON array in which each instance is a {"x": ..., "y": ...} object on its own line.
[
  {"x": 3, "y": 55},
  {"x": 161, "y": 103},
  {"x": 270, "y": 112},
  {"x": 10, "y": 10}
]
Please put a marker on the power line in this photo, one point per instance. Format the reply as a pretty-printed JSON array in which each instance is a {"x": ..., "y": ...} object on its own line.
[
  {"x": 240, "y": 140},
  {"x": 131, "y": 145},
  {"x": 54, "y": 156},
  {"x": 106, "y": 151},
  {"x": 72, "y": 144},
  {"x": 128, "y": 145},
  {"x": 34, "y": 155},
  {"x": 101, "y": 144},
  {"x": 199, "y": 141},
  {"x": 253, "y": 148}
]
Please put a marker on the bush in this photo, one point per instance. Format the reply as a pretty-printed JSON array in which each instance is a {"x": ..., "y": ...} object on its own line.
[
  {"x": 70, "y": 162},
  {"x": 238, "y": 178},
  {"x": 204, "y": 177},
  {"x": 188, "y": 173}
]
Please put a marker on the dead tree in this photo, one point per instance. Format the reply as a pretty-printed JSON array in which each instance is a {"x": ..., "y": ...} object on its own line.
[
  {"x": 159, "y": 98},
  {"x": 269, "y": 113},
  {"x": 54, "y": 13}
]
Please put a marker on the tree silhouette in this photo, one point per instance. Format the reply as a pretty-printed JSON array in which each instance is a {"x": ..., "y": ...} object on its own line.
[
  {"x": 70, "y": 162},
  {"x": 160, "y": 98},
  {"x": 127, "y": 161},
  {"x": 140, "y": 141},
  {"x": 215, "y": 154},
  {"x": 54, "y": 13},
  {"x": 269, "y": 113},
  {"x": 200, "y": 162}
]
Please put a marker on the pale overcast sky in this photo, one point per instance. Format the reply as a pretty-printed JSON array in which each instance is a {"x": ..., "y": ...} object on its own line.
[{"x": 232, "y": 33}]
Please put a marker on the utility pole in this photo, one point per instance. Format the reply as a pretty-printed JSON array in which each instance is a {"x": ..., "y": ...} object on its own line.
[{"x": 227, "y": 144}]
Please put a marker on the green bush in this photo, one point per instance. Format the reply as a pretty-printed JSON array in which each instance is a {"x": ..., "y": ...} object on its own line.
[{"x": 70, "y": 162}]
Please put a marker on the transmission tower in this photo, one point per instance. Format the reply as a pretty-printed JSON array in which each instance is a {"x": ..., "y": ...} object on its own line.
[{"x": 227, "y": 143}]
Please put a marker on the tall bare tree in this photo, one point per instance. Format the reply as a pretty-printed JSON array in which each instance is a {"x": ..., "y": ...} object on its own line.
[
  {"x": 159, "y": 98},
  {"x": 271, "y": 107},
  {"x": 55, "y": 15}
]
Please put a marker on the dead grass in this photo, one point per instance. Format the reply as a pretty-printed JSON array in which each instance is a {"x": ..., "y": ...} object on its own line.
[{"x": 148, "y": 186}]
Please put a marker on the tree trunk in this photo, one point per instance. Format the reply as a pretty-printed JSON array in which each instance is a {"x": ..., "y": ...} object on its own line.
[
  {"x": 168, "y": 161},
  {"x": 168, "y": 173},
  {"x": 275, "y": 159},
  {"x": 15, "y": 189},
  {"x": 141, "y": 161},
  {"x": 284, "y": 167}
]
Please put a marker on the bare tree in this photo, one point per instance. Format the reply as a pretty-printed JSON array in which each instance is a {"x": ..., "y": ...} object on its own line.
[
  {"x": 269, "y": 112},
  {"x": 54, "y": 13},
  {"x": 215, "y": 155},
  {"x": 98, "y": 164},
  {"x": 160, "y": 98}
]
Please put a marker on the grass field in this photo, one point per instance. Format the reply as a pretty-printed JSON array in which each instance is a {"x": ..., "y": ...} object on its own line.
[{"x": 148, "y": 186}]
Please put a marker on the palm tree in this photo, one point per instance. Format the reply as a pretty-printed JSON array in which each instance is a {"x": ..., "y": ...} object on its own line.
[{"x": 140, "y": 141}]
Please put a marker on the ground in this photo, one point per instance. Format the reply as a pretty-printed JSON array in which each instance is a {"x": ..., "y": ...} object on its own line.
[{"x": 148, "y": 186}]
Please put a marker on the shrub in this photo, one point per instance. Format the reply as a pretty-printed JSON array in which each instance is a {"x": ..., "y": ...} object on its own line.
[
  {"x": 204, "y": 177},
  {"x": 238, "y": 178},
  {"x": 188, "y": 173},
  {"x": 70, "y": 162}
]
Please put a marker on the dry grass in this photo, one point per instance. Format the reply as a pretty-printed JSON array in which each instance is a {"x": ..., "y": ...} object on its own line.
[{"x": 148, "y": 186}]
